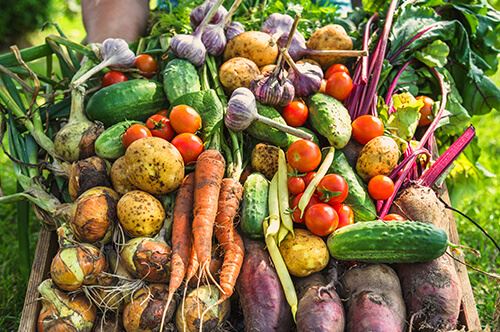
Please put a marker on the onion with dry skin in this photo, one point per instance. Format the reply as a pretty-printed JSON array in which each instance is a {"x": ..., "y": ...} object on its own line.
[
  {"x": 87, "y": 173},
  {"x": 64, "y": 312},
  {"x": 140, "y": 213},
  {"x": 144, "y": 312},
  {"x": 93, "y": 215},
  {"x": 78, "y": 265},
  {"x": 147, "y": 259}
]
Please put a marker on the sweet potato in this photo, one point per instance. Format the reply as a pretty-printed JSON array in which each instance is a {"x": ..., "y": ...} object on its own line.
[
  {"x": 431, "y": 290},
  {"x": 261, "y": 297},
  {"x": 374, "y": 299},
  {"x": 320, "y": 308}
]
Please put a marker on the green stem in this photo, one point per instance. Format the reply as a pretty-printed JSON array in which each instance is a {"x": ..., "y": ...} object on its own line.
[
  {"x": 204, "y": 78},
  {"x": 28, "y": 54},
  {"x": 84, "y": 50},
  {"x": 22, "y": 216}
]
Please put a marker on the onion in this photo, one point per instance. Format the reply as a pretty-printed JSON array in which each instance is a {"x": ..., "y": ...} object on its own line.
[
  {"x": 87, "y": 173},
  {"x": 145, "y": 310},
  {"x": 78, "y": 265},
  {"x": 62, "y": 312}
]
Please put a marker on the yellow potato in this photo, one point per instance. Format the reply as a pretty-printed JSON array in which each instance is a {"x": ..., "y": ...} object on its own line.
[
  {"x": 257, "y": 46},
  {"x": 119, "y": 177},
  {"x": 238, "y": 72},
  {"x": 154, "y": 165},
  {"x": 304, "y": 254},
  {"x": 140, "y": 213},
  {"x": 329, "y": 37},
  {"x": 378, "y": 157}
]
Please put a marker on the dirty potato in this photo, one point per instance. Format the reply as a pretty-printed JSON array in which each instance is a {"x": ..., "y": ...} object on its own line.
[
  {"x": 119, "y": 177},
  {"x": 378, "y": 157},
  {"x": 238, "y": 72},
  {"x": 265, "y": 159},
  {"x": 140, "y": 213},
  {"x": 330, "y": 37},
  {"x": 257, "y": 46}
]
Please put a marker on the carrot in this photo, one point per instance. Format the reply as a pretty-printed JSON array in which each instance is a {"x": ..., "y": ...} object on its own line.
[
  {"x": 210, "y": 168},
  {"x": 229, "y": 202},
  {"x": 181, "y": 238}
]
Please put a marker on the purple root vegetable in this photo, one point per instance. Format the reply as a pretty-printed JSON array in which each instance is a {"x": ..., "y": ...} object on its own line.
[
  {"x": 374, "y": 299},
  {"x": 320, "y": 308},
  {"x": 262, "y": 299},
  {"x": 432, "y": 294}
]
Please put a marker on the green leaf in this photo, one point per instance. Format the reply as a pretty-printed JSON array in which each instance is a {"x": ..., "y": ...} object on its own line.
[
  {"x": 434, "y": 55},
  {"x": 403, "y": 123}
]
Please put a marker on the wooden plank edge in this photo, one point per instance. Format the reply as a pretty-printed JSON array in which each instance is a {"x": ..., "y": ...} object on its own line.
[{"x": 45, "y": 248}]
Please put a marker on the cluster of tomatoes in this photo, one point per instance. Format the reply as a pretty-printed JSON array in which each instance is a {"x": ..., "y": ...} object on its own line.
[
  {"x": 325, "y": 212},
  {"x": 145, "y": 63},
  {"x": 179, "y": 128}
]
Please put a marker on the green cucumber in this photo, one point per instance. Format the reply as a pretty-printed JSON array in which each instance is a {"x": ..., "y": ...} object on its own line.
[
  {"x": 179, "y": 78},
  {"x": 266, "y": 133},
  {"x": 358, "y": 198},
  {"x": 129, "y": 100},
  {"x": 330, "y": 119},
  {"x": 254, "y": 208},
  {"x": 388, "y": 242},
  {"x": 293, "y": 138},
  {"x": 109, "y": 144},
  {"x": 208, "y": 105}
]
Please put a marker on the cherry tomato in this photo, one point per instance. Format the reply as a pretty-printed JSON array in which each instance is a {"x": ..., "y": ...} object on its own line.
[
  {"x": 333, "y": 188},
  {"x": 308, "y": 177},
  {"x": 296, "y": 185},
  {"x": 367, "y": 127},
  {"x": 303, "y": 155},
  {"x": 335, "y": 68},
  {"x": 146, "y": 64},
  {"x": 189, "y": 145},
  {"x": 163, "y": 112},
  {"x": 159, "y": 126},
  {"x": 295, "y": 113},
  {"x": 135, "y": 132},
  {"x": 321, "y": 219},
  {"x": 380, "y": 187},
  {"x": 296, "y": 212},
  {"x": 339, "y": 85},
  {"x": 113, "y": 77},
  {"x": 346, "y": 215},
  {"x": 185, "y": 119},
  {"x": 393, "y": 217},
  {"x": 425, "y": 111}
]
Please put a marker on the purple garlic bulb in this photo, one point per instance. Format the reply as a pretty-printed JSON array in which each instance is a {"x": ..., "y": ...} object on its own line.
[
  {"x": 234, "y": 29},
  {"x": 306, "y": 78},
  {"x": 214, "y": 39},
  {"x": 297, "y": 47},
  {"x": 277, "y": 23},
  {"x": 241, "y": 110},
  {"x": 189, "y": 47},
  {"x": 199, "y": 13},
  {"x": 274, "y": 89}
]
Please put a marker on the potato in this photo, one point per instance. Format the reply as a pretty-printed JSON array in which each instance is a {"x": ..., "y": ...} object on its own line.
[
  {"x": 238, "y": 72},
  {"x": 378, "y": 157},
  {"x": 257, "y": 46},
  {"x": 330, "y": 37},
  {"x": 119, "y": 177},
  {"x": 304, "y": 254},
  {"x": 267, "y": 69},
  {"x": 265, "y": 159},
  {"x": 154, "y": 165},
  {"x": 140, "y": 213}
]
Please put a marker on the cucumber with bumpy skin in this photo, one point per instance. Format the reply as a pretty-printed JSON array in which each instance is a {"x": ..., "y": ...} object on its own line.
[
  {"x": 265, "y": 132},
  {"x": 254, "y": 208},
  {"x": 388, "y": 242},
  {"x": 179, "y": 78},
  {"x": 129, "y": 100},
  {"x": 109, "y": 144}
]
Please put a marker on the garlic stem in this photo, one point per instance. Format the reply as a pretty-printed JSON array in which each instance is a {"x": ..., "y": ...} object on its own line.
[
  {"x": 91, "y": 72},
  {"x": 287, "y": 129},
  {"x": 231, "y": 12},
  {"x": 208, "y": 18},
  {"x": 288, "y": 43},
  {"x": 290, "y": 61},
  {"x": 345, "y": 53}
]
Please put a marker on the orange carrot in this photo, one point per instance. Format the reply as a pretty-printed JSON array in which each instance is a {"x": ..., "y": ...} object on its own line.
[{"x": 210, "y": 168}]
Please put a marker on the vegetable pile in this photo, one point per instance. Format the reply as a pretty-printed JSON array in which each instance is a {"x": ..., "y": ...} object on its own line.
[{"x": 236, "y": 172}]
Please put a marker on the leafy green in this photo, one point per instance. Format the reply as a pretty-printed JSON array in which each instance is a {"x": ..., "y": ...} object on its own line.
[
  {"x": 404, "y": 121},
  {"x": 434, "y": 55}
]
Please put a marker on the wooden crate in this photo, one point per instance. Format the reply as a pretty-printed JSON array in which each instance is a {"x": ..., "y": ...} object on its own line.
[{"x": 47, "y": 248}]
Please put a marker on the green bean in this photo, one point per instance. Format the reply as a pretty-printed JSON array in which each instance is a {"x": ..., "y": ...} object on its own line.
[
  {"x": 283, "y": 197},
  {"x": 274, "y": 211}
]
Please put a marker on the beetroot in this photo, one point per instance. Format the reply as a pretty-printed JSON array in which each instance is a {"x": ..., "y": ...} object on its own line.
[{"x": 261, "y": 297}]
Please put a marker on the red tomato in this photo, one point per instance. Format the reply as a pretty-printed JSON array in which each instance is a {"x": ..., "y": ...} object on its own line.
[
  {"x": 296, "y": 212},
  {"x": 295, "y": 113},
  {"x": 163, "y": 112},
  {"x": 393, "y": 217},
  {"x": 159, "y": 126},
  {"x": 185, "y": 119},
  {"x": 113, "y": 77},
  {"x": 367, "y": 127},
  {"x": 333, "y": 188},
  {"x": 380, "y": 187},
  {"x": 321, "y": 219},
  {"x": 308, "y": 177},
  {"x": 335, "y": 68},
  {"x": 425, "y": 111},
  {"x": 339, "y": 85},
  {"x": 346, "y": 215},
  {"x": 296, "y": 185},
  {"x": 135, "y": 132},
  {"x": 189, "y": 145},
  {"x": 303, "y": 155},
  {"x": 146, "y": 64}
]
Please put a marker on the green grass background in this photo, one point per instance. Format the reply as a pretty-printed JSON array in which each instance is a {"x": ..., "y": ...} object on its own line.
[{"x": 478, "y": 196}]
